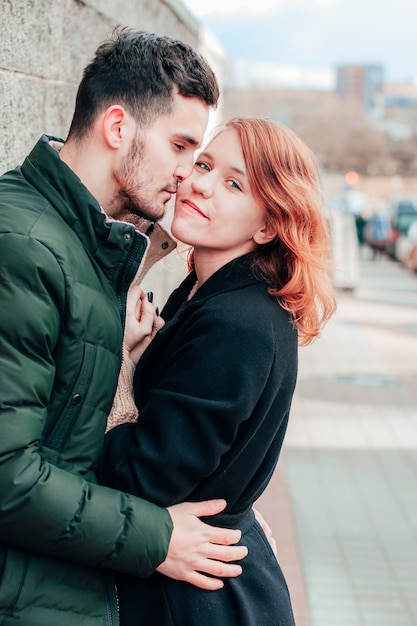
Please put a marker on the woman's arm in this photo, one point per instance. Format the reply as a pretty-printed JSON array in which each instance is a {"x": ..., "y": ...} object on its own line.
[{"x": 212, "y": 373}]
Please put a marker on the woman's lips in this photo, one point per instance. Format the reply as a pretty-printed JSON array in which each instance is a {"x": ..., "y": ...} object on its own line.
[{"x": 190, "y": 205}]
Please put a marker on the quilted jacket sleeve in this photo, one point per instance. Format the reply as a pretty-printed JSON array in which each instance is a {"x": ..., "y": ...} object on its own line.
[{"x": 43, "y": 507}]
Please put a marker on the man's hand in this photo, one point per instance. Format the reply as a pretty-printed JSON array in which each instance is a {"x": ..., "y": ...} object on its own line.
[{"x": 197, "y": 549}]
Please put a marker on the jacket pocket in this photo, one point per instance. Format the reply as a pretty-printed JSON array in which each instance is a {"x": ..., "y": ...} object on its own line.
[
  {"x": 14, "y": 568},
  {"x": 39, "y": 591},
  {"x": 66, "y": 414}
]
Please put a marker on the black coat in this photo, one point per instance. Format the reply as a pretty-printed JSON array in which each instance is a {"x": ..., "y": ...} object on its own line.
[{"x": 214, "y": 391}]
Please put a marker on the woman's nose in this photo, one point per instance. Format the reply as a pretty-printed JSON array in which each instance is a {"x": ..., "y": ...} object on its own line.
[{"x": 202, "y": 183}]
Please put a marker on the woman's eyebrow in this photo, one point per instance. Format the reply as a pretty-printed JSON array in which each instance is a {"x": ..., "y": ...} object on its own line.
[
  {"x": 237, "y": 170},
  {"x": 233, "y": 168},
  {"x": 205, "y": 154}
]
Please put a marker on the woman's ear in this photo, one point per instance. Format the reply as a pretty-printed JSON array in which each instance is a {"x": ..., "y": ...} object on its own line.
[{"x": 265, "y": 234}]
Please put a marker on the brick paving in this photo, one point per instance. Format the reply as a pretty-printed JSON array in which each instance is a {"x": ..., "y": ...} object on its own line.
[{"x": 343, "y": 501}]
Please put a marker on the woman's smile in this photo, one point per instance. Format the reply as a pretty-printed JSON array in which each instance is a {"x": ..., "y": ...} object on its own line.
[{"x": 191, "y": 207}]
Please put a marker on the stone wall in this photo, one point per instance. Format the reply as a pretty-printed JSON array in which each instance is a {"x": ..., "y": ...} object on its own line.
[{"x": 44, "y": 46}]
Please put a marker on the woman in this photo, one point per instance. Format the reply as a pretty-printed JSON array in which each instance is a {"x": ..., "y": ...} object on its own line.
[{"x": 214, "y": 387}]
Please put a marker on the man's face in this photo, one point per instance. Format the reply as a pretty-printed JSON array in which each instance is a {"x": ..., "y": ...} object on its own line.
[{"x": 159, "y": 158}]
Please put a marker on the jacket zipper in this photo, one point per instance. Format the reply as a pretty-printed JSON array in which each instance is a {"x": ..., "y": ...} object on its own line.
[
  {"x": 123, "y": 279},
  {"x": 112, "y": 607}
]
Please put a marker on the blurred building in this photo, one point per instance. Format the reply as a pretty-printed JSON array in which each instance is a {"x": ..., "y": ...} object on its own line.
[
  {"x": 245, "y": 74},
  {"x": 289, "y": 106},
  {"x": 400, "y": 110},
  {"x": 361, "y": 84}
]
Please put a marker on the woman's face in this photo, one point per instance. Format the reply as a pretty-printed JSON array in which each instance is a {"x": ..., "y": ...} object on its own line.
[{"x": 215, "y": 210}]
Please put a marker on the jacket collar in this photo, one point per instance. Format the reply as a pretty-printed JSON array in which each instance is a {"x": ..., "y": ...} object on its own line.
[
  {"x": 104, "y": 238},
  {"x": 160, "y": 244},
  {"x": 66, "y": 193}
]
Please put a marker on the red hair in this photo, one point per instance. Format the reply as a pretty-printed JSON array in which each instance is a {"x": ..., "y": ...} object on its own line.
[{"x": 284, "y": 178}]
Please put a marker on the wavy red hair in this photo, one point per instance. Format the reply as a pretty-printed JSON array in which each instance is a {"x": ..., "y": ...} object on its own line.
[{"x": 284, "y": 177}]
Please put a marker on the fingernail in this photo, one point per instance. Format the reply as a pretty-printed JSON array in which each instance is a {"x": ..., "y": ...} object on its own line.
[
  {"x": 149, "y": 295},
  {"x": 157, "y": 311}
]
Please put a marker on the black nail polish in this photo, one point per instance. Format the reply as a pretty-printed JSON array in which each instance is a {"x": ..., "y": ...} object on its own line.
[
  {"x": 157, "y": 311},
  {"x": 149, "y": 295}
]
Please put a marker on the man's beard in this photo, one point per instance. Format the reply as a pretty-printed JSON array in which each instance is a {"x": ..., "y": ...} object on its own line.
[
  {"x": 128, "y": 196},
  {"x": 132, "y": 208}
]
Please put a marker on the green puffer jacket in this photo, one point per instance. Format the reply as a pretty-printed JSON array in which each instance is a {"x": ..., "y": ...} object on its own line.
[{"x": 64, "y": 274}]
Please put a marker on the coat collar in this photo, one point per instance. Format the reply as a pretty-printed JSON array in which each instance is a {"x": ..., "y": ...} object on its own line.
[{"x": 234, "y": 275}]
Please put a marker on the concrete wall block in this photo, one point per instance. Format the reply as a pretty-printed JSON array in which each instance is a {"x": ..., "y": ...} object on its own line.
[
  {"x": 50, "y": 39},
  {"x": 31, "y": 107},
  {"x": 32, "y": 33},
  {"x": 165, "y": 17}
]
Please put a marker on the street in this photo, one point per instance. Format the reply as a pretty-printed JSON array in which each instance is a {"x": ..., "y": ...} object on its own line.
[{"x": 343, "y": 501}]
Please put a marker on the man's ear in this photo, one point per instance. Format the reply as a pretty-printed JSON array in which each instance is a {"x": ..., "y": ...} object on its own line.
[
  {"x": 265, "y": 234},
  {"x": 117, "y": 126}
]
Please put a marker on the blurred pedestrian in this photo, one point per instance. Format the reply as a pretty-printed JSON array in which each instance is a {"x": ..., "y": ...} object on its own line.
[
  {"x": 360, "y": 222},
  {"x": 378, "y": 232}
]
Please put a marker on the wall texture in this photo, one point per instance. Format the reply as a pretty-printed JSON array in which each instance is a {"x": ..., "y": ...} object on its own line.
[{"x": 44, "y": 46}]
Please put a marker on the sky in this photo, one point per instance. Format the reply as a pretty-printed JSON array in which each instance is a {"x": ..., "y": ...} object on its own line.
[
  {"x": 316, "y": 33},
  {"x": 200, "y": 9}
]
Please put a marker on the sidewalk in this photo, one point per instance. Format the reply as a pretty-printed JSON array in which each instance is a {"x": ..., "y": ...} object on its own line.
[{"x": 343, "y": 501}]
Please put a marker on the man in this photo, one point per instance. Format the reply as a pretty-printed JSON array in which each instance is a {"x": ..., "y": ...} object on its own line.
[{"x": 66, "y": 264}]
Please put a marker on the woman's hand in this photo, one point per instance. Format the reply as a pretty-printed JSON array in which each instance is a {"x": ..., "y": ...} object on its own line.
[{"x": 142, "y": 323}]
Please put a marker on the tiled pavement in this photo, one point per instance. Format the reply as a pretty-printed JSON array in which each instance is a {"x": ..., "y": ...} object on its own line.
[{"x": 343, "y": 501}]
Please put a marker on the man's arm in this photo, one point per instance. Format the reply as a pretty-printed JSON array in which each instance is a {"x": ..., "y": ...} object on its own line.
[{"x": 45, "y": 508}]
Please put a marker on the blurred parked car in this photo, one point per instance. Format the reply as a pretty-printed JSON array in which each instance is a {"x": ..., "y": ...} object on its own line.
[{"x": 402, "y": 212}]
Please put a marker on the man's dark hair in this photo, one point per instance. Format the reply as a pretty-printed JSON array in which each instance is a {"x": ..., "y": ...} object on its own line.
[{"x": 141, "y": 71}]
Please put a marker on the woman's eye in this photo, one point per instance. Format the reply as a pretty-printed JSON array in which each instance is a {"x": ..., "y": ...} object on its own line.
[
  {"x": 179, "y": 146},
  {"x": 202, "y": 166},
  {"x": 235, "y": 185}
]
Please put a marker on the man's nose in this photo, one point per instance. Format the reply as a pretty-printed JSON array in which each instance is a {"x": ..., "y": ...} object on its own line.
[{"x": 184, "y": 168}]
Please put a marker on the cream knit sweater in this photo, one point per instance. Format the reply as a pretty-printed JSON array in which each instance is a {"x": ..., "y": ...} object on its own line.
[{"x": 160, "y": 243}]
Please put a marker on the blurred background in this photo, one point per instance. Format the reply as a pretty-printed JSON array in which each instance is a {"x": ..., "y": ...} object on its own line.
[{"x": 343, "y": 74}]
